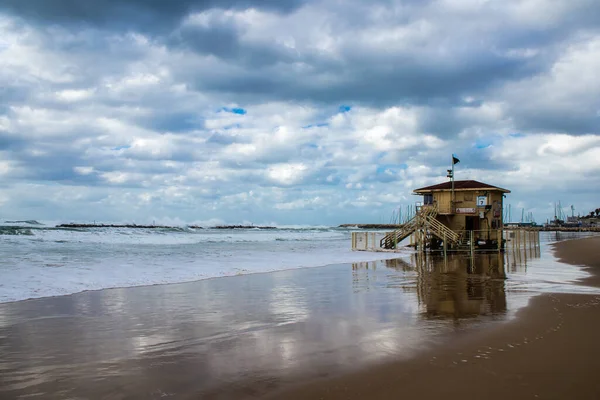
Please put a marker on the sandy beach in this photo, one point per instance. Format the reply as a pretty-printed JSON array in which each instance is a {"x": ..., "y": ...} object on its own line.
[
  {"x": 550, "y": 351},
  {"x": 417, "y": 327}
]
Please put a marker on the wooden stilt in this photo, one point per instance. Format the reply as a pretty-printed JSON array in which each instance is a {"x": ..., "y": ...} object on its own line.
[
  {"x": 445, "y": 246},
  {"x": 472, "y": 241}
]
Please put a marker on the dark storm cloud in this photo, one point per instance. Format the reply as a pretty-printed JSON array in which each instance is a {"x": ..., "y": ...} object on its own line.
[
  {"x": 56, "y": 166},
  {"x": 378, "y": 82},
  {"x": 10, "y": 142},
  {"x": 440, "y": 121},
  {"x": 223, "y": 40},
  {"x": 566, "y": 120},
  {"x": 146, "y": 15}
]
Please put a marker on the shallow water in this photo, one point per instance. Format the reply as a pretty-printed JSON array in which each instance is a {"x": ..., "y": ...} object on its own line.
[
  {"x": 247, "y": 335},
  {"x": 50, "y": 261}
]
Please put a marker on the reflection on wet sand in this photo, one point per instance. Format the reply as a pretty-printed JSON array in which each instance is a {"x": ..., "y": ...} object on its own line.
[
  {"x": 245, "y": 335},
  {"x": 454, "y": 287}
]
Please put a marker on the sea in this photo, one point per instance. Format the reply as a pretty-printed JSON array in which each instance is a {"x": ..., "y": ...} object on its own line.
[{"x": 40, "y": 260}]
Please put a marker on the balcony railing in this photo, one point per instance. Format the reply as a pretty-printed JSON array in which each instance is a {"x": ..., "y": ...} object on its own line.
[{"x": 443, "y": 209}]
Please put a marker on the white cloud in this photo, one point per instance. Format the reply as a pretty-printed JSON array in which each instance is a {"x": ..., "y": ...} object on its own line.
[
  {"x": 73, "y": 95},
  {"x": 287, "y": 174}
]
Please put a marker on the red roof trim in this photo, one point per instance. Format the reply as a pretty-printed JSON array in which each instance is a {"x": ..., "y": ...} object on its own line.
[{"x": 460, "y": 185}]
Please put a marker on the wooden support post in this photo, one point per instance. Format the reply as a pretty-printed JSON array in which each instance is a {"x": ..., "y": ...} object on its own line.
[
  {"x": 417, "y": 242},
  {"x": 472, "y": 241},
  {"x": 499, "y": 238},
  {"x": 445, "y": 246}
]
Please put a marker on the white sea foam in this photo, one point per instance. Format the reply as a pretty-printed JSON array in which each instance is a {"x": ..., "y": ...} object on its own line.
[{"x": 56, "y": 262}]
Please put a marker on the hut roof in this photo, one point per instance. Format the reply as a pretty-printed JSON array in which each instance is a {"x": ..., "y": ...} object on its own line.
[{"x": 459, "y": 186}]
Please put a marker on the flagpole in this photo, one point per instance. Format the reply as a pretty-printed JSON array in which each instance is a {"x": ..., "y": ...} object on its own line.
[{"x": 452, "y": 161}]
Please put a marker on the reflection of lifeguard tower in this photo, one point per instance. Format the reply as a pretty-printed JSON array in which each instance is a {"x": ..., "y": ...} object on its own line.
[{"x": 459, "y": 287}]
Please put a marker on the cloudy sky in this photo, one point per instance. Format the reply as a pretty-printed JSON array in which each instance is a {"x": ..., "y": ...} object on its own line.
[{"x": 292, "y": 112}]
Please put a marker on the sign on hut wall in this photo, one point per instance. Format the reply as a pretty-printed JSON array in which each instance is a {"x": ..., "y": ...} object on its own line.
[{"x": 465, "y": 210}]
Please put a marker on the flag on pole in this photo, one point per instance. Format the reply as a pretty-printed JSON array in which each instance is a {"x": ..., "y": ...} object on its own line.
[{"x": 455, "y": 160}]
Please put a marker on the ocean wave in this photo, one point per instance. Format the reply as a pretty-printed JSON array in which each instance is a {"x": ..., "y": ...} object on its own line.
[
  {"x": 15, "y": 231},
  {"x": 28, "y": 222},
  {"x": 170, "y": 236}
]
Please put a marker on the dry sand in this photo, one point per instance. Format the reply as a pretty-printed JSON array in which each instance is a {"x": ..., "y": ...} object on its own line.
[{"x": 550, "y": 351}]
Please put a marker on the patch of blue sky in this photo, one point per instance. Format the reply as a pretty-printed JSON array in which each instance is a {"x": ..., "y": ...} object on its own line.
[
  {"x": 124, "y": 147},
  {"x": 483, "y": 143},
  {"x": 235, "y": 110},
  {"x": 345, "y": 108},
  {"x": 516, "y": 135}
]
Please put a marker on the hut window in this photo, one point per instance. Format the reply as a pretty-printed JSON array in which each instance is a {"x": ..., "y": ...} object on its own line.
[
  {"x": 468, "y": 196},
  {"x": 428, "y": 199}
]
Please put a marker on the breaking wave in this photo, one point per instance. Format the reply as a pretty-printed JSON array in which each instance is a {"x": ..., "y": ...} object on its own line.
[{"x": 15, "y": 231}]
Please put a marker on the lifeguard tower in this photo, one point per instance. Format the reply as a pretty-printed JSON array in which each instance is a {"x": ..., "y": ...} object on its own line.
[{"x": 454, "y": 215}]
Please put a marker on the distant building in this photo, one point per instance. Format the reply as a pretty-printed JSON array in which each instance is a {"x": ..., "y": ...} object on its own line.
[{"x": 520, "y": 225}]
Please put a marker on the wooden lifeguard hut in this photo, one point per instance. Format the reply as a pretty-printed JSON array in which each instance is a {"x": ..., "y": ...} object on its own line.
[{"x": 454, "y": 215}]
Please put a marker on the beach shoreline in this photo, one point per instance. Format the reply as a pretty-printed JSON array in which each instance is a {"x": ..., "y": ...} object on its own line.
[{"x": 549, "y": 351}]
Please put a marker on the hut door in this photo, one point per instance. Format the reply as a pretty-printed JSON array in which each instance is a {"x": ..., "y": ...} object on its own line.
[{"x": 471, "y": 223}]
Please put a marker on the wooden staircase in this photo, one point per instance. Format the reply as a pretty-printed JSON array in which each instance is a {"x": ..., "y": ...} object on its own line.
[
  {"x": 424, "y": 220},
  {"x": 391, "y": 240}
]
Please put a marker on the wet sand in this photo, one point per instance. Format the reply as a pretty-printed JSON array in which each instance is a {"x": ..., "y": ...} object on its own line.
[
  {"x": 420, "y": 327},
  {"x": 550, "y": 351},
  {"x": 249, "y": 335}
]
